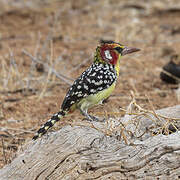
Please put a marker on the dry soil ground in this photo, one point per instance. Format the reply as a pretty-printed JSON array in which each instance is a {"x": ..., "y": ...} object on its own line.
[{"x": 64, "y": 35}]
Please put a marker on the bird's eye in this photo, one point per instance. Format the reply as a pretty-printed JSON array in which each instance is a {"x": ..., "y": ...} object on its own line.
[
  {"x": 119, "y": 49},
  {"x": 107, "y": 54}
]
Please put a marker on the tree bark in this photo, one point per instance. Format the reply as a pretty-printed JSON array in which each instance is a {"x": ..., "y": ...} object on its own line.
[{"x": 83, "y": 152}]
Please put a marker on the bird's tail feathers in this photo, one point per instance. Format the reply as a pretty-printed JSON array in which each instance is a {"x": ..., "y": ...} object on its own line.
[{"x": 55, "y": 118}]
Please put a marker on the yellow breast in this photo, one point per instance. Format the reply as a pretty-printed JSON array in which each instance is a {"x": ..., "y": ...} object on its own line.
[{"x": 95, "y": 99}]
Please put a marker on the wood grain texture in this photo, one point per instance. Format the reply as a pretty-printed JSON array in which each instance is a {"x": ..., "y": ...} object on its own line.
[{"x": 81, "y": 152}]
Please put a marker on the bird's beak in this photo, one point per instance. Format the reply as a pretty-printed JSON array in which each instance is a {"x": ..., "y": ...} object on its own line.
[{"x": 128, "y": 50}]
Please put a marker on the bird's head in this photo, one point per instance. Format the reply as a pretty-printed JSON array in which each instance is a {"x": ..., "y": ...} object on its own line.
[{"x": 110, "y": 52}]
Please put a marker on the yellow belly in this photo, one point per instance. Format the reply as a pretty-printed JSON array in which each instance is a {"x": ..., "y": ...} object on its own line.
[{"x": 94, "y": 99}]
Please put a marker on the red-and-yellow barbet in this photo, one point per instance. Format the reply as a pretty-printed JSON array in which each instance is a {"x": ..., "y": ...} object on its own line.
[{"x": 94, "y": 85}]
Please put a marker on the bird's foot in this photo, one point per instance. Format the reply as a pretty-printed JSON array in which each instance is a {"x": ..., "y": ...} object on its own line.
[
  {"x": 91, "y": 118},
  {"x": 94, "y": 118}
]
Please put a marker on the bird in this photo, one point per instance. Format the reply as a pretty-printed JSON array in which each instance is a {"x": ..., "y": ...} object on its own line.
[{"x": 94, "y": 85}]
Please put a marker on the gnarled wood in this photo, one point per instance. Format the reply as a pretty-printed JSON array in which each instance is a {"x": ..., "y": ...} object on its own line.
[{"x": 81, "y": 152}]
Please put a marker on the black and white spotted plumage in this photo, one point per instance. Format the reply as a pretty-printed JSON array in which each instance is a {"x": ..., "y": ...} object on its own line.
[{"x": 96, "y": 78}]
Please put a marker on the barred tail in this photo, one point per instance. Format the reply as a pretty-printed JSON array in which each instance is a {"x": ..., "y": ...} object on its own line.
[{"x": 55, "y": 118}]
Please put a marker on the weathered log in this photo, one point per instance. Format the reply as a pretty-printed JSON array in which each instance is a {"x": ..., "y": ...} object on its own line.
[{"x": 82, "y": 152}]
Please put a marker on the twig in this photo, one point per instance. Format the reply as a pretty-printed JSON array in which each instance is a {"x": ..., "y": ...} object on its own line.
[
  {"x": 151, "y": 104},
  {"x": 49, "y": 73},
  {"x": 81, "y": 64},
  {"x": 58, "y": 75},
  {"x": 5, "y": 129},
  {"x": 3, "y": 150},
  {"x": 32, "y": 67},
  {"x": 15, "y": 67},
  {"x": 12, "y": 37},
  {"x": 37, "y": 45},
  {"x": 134, "y": 87}
]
